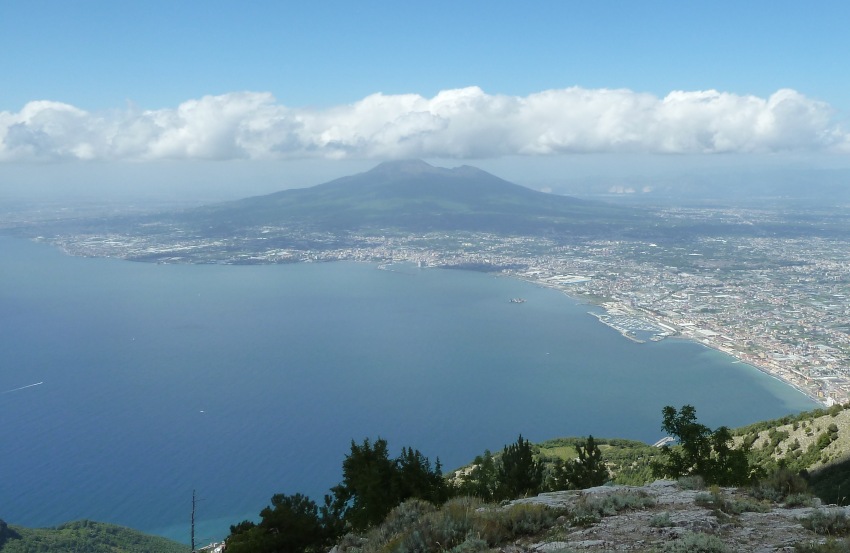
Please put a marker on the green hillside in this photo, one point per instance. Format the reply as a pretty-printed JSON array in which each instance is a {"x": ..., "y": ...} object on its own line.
[{"x": 83, "y": 536}]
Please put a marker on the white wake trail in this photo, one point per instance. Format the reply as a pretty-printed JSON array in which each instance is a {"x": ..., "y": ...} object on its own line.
[{"x": 22, "y": 388}]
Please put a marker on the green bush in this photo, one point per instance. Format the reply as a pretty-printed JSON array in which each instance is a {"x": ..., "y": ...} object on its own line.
[
  {"x": 471, "y": 544},
  {"x": 400, "y": 518},
  {"x": 462, "y": 525},
  {"x": 694, "y": 482},
  {"x": 801, "y": 500},
  {"x": 590, "y": 509},
  {"x": 779, "y": 485},
  {"x": 830, "y": 522},
  {"x": 661, "y": 520},
  {"x": 717, "y": 501},
  {"x": 829, "y": 546},
  {"x": 500, "y": 525},
  {"x": 696, "y": 543}
]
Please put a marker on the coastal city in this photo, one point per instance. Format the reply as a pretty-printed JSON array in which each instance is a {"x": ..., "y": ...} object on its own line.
[{"x": 779, "y": 304}]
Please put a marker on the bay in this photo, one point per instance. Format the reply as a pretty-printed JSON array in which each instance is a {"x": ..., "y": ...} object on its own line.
[{"x": 244, "y": 381}]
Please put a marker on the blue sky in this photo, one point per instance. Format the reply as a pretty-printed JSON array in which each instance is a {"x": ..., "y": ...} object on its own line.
[
  {"x": 157, "y": 81},
  {"x": 100, "y": 54}
]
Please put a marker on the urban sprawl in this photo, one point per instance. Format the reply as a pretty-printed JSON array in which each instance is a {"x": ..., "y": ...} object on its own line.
[{"x": 779, "y": 304}]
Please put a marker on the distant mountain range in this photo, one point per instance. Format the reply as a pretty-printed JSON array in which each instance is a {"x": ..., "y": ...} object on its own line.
[{"x": 413, "y": 196}]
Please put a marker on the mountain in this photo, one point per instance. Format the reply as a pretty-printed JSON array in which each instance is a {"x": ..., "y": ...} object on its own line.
[{"x": 413, "y": 196}]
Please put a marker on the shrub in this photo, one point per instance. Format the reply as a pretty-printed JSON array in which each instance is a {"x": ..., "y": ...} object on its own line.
[
  {"x": 827, "y": 522},
  {"x": 620, "y": 501},
  {"x": 471, "y": 544},
  {"x": 591, "y": 508},
  {"x": 801, "y": 500},
  {"x": 462, "y": 525},
  {"x": 504, "y": 524},
  {"x": 694, "y": 482},
  {"x": 779, "y": 485},
  {"x": 829, "y": 546},
  {"x": 718, "y": 502},
  {"x": 696, "y": 543},
  {"x": 401, "y": 517},
  {"x": 661, "y": 520}
]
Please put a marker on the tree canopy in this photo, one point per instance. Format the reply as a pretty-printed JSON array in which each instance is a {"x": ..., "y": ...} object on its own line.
[
  {"x": 700, "y": 451},
  {"x": 586, "y": 471}
]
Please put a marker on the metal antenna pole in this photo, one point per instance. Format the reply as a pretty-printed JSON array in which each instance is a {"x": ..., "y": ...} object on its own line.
[{"x": 193, "y": 521}]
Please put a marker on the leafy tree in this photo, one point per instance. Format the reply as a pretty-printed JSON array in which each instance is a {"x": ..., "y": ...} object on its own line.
[
  {"x": 701, "y": 451},
  {"x": 483, "y": 480},
  {"x": 372, "y": 484},
  {"x": 366, "y": 493},
  {"x": 519, "y": 474},
  {"x": 587, "y": 471},
  {"x": 291, "y": 524}
]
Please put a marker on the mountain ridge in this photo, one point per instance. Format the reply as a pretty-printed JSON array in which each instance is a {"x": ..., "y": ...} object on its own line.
[{"x": 416, "y": 196}]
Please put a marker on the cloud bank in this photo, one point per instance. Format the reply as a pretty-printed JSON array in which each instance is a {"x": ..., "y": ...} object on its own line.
[{"x": 459, "y": 123}]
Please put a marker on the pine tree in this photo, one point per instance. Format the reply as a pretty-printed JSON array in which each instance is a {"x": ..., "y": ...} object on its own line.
[
  {"x": 520, "y": 475},
  {"x": 589, "y": 469}
]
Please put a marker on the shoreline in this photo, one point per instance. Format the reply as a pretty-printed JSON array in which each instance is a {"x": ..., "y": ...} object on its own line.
[{"x": 769, "y": 371}]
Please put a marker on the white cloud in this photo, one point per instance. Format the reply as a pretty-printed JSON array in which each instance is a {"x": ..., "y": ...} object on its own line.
[{"x": 460, "y": 123}]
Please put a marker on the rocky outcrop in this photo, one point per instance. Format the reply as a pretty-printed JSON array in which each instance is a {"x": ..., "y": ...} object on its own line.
[{"x": 671, "y": 514}]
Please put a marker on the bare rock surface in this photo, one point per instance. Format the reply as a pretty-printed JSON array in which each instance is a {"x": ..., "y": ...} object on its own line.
[{"x": 673, "y": 513}]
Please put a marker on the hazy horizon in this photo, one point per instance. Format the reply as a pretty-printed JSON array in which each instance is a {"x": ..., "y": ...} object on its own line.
[{"x": 173, "y": 103}]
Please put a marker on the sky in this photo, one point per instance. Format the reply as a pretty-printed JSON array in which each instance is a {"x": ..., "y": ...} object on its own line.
[{"x": 254, "y": 96}]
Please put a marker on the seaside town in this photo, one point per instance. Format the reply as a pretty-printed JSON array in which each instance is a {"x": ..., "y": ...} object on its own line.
[{"x": 779, "y": 304}]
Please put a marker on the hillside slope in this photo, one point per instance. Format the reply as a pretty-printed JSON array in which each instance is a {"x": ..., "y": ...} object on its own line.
[
  {"x": 663, "y": 517},
  {"x": 83, "y": 536},
  {"x": 414, "y": 196}
]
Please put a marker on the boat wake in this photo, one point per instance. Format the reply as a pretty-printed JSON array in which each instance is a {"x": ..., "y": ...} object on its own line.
[{"x": 22, "y": 388}]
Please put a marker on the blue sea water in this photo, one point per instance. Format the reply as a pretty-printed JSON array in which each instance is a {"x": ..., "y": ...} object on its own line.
[{"x": 244, "y": 381}]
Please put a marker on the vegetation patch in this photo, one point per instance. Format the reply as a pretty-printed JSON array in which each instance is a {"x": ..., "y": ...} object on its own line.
[
  {"x": 780, "y": 485},
  {"x": 696, "y": 542},
  {"x": 719, "y": 502},
  {"x": 827, "y": 522},
  {"x": 829, "y": 546},
  {"x": 661, "y": 520},
  {"x": 590, "y": 509},
  {"x": 84, "y": 535},
  {"x": 461, "y": 525}
]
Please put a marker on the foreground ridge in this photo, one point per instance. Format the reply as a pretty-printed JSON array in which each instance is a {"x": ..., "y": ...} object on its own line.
[
  {"x": 676, "y": 514},
  {"x": 664, "y": 517}
]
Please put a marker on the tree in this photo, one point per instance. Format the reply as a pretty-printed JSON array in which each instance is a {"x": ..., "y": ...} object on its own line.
[
  {"x": 372, "y": 484},
  {"x": 415, "y": 478},
  {"x": 483, "y": 480},
  {"x": 700, "y": 451},
  {"x": 520, "y": 475},
  {"x": 366, "y": 493},
  {"x": 586, "y": 471},
  {"x": 291, "y": 524}
]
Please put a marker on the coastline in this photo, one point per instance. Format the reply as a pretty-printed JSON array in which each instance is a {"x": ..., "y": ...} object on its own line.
[{"x": 616, "y": 305}]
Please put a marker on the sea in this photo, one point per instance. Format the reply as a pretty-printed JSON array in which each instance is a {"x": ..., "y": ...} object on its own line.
[{"x": 125, "y": 387}]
